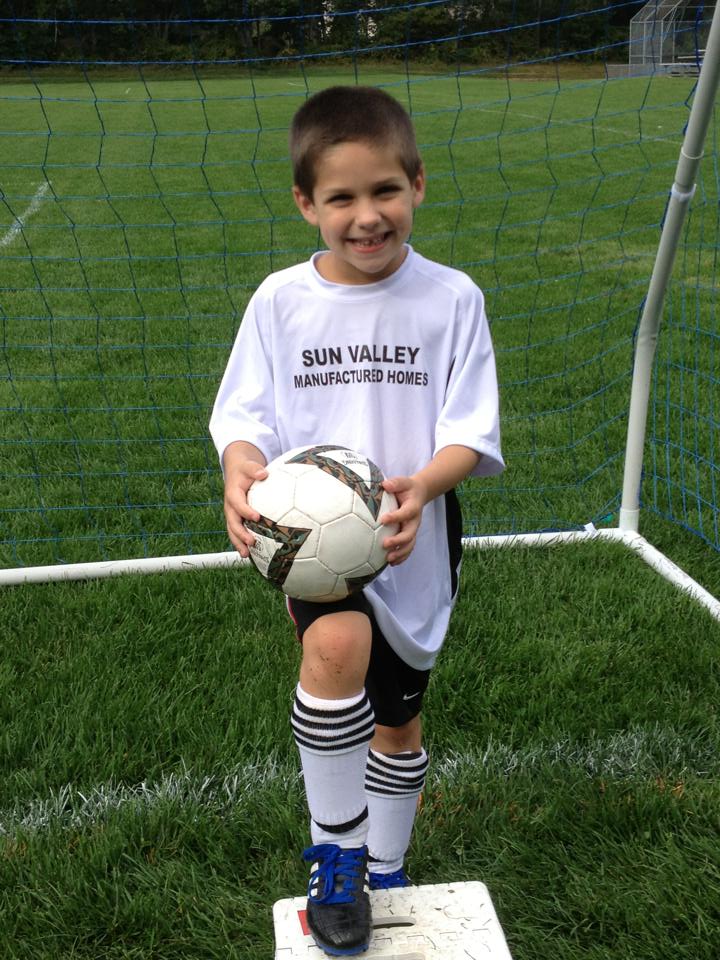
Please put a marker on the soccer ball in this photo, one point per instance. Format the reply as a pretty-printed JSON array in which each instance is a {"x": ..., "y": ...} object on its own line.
[{"x": 319, "y": 536}]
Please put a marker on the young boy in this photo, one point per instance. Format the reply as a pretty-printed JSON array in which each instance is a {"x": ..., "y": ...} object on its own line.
[{"x": 370, "y": 346}]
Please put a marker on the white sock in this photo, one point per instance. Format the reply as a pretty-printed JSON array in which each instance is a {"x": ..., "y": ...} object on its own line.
[
  {"x": 393, "y": 784},
  {"x": 333, "y": 738}
]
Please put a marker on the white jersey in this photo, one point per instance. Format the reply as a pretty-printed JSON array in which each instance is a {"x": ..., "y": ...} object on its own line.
[{"x": 397, "y": 370}]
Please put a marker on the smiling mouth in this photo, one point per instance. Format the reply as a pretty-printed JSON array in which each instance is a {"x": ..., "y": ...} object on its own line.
[{"x": 369, "y": 243}]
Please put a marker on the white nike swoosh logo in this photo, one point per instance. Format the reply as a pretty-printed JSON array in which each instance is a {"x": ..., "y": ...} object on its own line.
[{"x": 409, "y": 696}]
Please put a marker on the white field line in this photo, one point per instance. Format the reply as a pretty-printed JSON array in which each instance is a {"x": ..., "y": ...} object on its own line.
[
  {"x": 637, "y": 754},
  {"x": 601, "y": 127},
  {"x": 20, "y": 221}
]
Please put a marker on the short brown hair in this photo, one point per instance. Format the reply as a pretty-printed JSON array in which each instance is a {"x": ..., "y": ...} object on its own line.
[{"x": 349, "y": 115}]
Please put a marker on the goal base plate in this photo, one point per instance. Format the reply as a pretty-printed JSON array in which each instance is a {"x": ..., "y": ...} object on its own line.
[{"x": 444, "y": 921}]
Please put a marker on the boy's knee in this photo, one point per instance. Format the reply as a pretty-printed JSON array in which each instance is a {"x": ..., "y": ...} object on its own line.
[{"x": 336, "y": 653}]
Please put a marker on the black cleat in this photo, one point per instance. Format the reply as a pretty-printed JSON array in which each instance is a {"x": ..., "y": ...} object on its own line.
[{"x": 338, "y": 905}]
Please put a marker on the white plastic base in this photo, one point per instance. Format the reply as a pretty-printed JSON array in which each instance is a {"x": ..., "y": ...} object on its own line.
[{"x": 445, "y": 921}]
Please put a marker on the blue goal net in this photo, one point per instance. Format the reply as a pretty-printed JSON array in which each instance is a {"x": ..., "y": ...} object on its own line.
[{"x": 145, "y": 192}]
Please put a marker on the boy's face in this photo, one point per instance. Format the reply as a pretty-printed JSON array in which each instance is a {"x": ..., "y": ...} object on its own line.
[{"x": 363, "y": 204}]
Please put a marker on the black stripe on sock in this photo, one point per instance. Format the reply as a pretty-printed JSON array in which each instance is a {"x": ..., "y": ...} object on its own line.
[
  {"x": 343, "y": 827},
  {"x": 339, "y": 732},
  {"x": 338, "y": 746},
  {"x": 309, "y": 725},
  {"x": 376, "y": 785},
  {"x": 397, "y": 775},
  {"x": 385, "y": 768}
]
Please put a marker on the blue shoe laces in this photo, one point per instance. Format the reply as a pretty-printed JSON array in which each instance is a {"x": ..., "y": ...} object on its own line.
[
  {"x": 335, "y": 867},
  {"x": 386, "y": 881}
]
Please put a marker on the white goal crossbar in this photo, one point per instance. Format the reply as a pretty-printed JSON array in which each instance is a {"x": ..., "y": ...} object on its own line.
[{"x": 142, "y": 565}]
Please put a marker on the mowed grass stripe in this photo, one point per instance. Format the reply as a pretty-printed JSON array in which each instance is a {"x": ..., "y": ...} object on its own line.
[{"x": 640, "y": 755}]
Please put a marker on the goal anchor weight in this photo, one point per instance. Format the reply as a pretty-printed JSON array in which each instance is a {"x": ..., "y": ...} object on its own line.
[{"x": 445, "y": 921}]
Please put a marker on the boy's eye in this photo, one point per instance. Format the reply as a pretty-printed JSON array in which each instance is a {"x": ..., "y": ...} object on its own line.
[
  {"x": 339, "y": 198},
  {"x": 388, "y": 188}
]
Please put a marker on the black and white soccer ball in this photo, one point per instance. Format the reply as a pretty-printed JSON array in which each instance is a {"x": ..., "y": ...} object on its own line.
[{"x": 319, "y": 536}]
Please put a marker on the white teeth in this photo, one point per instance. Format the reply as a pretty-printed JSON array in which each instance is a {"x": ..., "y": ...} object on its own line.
[{"x": 369, "y": 242}]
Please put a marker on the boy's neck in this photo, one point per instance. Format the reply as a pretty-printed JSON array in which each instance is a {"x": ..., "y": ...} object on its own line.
[{"x": 334, "y": 270}]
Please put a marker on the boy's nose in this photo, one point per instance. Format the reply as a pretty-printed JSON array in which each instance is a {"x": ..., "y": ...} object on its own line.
[{"x": 366, "y": 214}]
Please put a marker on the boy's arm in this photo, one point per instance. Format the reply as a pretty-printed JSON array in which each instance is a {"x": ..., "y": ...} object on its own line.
[
  {"x": 243, "y": 463},
  {"x": 447, "y": 468}
]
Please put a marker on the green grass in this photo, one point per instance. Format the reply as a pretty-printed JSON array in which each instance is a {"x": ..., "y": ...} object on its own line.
[{"x": 150, "y": 803}]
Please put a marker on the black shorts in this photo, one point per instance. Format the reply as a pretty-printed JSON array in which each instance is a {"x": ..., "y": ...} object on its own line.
[{"x": 395, "y": 689}]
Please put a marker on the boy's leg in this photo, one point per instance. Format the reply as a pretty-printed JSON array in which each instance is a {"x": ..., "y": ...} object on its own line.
[
  {"x": 397, "y": 762},
  {"x": 394, "y": 780},
  {"x": 333, "y": 723}
]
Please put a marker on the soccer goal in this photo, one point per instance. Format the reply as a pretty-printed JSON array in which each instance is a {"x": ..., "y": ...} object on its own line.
[
  {"x": 668, "y": 36},
  {"x": 145, "y": 195}
]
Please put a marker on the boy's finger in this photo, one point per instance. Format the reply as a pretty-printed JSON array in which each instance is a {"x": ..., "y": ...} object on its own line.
[
  {"x": 403, "y": 513},
  {"x": 397, "y": 542},
  {"x": 396, "y": 484}
]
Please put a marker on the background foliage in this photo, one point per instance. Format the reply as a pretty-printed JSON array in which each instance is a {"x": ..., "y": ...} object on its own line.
[{"x": 53, "y": 31}]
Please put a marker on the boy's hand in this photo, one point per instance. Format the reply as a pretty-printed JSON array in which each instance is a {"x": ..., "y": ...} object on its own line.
[
  {"x": 411, "y": 495},
  {"x": 447, "y": 468},
  {"x": 240, "y": 474}
]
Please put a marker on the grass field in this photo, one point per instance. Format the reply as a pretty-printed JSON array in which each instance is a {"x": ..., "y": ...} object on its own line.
[{"x": 150, "y": 805}]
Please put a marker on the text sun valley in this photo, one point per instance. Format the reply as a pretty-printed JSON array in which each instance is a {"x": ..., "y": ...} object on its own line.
[{"x": 350, "y": 364}]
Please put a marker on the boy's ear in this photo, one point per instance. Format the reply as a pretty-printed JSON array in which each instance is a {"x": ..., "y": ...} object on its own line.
[
  {"x": 418, "y": 186},
  {"x": 305, "y": 206}
]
